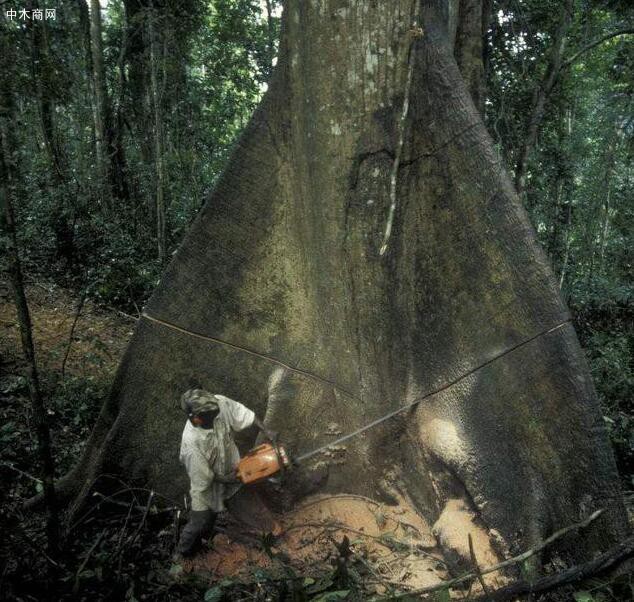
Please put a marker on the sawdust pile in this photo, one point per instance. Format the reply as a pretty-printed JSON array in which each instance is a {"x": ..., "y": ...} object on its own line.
[{"x": 391, "y": 545}]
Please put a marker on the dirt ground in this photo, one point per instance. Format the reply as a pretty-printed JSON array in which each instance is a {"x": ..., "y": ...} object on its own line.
[
  {"x": 391, "y": 547},
  {"x": 99, "y": 336}
]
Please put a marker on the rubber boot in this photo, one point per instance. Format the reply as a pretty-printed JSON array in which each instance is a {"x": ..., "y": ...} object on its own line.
[{"x": 200, "y": 523}]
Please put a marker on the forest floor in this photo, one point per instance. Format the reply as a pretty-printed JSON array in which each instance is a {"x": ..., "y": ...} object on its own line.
[{"x": 330, "y": 547}]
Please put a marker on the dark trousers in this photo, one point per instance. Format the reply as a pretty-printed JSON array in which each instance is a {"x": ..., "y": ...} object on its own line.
[{"x": 200, "y": 523}]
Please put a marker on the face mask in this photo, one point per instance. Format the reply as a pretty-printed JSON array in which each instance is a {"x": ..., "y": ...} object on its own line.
[{"x": 204, "y": 420}]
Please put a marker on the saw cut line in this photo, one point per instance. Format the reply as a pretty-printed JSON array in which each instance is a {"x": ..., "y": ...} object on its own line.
[
  {"x": 319, "y": 379},
  {"x": 252, "y": 352},
  {"x": 440, "y": 389}
]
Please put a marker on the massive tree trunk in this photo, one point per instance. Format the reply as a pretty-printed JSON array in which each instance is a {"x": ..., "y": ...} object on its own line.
[{"x": 283, "y": 268}]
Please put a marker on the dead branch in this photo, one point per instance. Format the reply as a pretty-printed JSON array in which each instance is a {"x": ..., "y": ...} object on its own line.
[
  {"x": 85, "y": 562},
  {"x": 143, "y": 518},
  {"x": 136, "y": 507},
  {"x": 80, "y": 305},
  {"x": 496, "y": 567},
  {"x": 476, "y": 566},
  {"x": 591, "y": 45},
  {"x": 612, "y": 557}
]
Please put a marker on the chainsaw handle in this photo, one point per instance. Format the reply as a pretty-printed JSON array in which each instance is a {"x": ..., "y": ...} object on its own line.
[
  {"x": 271, "y": 436},
  {"x": 227, "y": 479}
]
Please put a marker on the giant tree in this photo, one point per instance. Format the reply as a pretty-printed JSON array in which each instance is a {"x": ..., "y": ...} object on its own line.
[{"x": 366, "y": 240}]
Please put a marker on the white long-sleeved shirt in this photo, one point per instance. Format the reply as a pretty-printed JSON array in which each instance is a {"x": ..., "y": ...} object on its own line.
[{"x": 207, "y": 452}]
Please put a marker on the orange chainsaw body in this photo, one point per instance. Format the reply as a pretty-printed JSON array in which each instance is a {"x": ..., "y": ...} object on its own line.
[{"x": 262, "y": 462}]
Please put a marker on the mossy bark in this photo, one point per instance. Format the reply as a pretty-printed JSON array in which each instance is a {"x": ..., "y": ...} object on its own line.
[{"x": 282, "y": 266}]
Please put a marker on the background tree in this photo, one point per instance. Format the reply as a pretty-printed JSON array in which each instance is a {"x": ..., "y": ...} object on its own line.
[{"x": 10, "y": 189}]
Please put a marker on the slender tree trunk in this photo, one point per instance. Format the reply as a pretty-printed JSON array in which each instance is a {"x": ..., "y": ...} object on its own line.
[
  {"x": 469, "y": 48},
  {"x": 110, "y": 155},
  {"x": 596, "y": 227},
  {"x": 540, "y": 94},
  {"x": 46, "y": 108},
  {"x": 84, "y": 24},
  {"x": 270, "y": 32},
  {"x": 606, "y": 226},
  {"x": 566, "y": 260},
  {"x": 137, "y": 63},
  {"x": 60, "y": 220},
  {"x": 99, "y": 87},
  {"x": 159, "y": 142},
  {"x": 613, "y": 151},
  {"x": 552, "y": 245},
  {"x": 8, "y": 179}
]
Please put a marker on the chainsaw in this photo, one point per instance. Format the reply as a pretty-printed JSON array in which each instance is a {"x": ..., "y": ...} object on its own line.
[
  {"x": 268, "y": 459},
  {"x": 262, "y": 462}
]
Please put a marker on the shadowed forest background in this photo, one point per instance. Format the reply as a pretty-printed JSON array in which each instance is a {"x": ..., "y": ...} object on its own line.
[{"x": 117, "y": 123}]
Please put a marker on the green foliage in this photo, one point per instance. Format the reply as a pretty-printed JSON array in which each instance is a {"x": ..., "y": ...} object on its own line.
[
  {"x": 579, "y": 190},
  {"x": 332, "y": 596},
  {"x": 213, "y": 62},
  {"x": 214, "y": 594}
]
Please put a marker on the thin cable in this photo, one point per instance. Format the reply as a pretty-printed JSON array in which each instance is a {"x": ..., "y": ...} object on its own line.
[
  {"x": 426, "y": 396},
  {"x": 335, "y": 386},
  {"x": 252, "y": 352}
]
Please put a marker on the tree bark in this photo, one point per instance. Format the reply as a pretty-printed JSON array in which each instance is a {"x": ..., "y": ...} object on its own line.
[
  {"x": 46, "y": 108},
  {"x": 8, "y": 179},
  {"x": 137, "y": 61},
  {"x": 469, "y": 47},
  {"x": 282, "y": 270},
  {"x": 84, "y": 25},
  {"x": 270, "y": 30}
]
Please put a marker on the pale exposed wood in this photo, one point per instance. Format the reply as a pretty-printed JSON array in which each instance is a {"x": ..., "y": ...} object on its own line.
[{"x": 506, "y": 563}]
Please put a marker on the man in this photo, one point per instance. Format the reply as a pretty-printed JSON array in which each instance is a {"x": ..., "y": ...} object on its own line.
[{"x": 209, "y": 454}]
